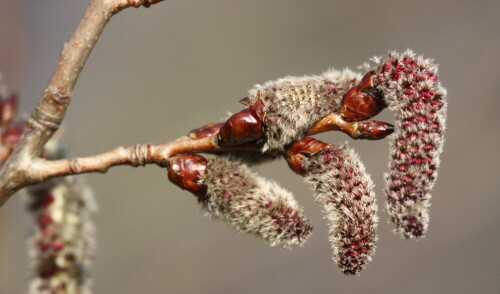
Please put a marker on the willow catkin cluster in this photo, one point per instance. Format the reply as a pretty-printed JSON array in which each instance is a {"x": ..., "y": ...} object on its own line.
[
  {"x": 292, "y": 105},
  {"x": 345, "y": 191},
  {"x": 253, "y": 204},
  {"x": 62, "y": 244},
  {"x": 411, "y": 88}
]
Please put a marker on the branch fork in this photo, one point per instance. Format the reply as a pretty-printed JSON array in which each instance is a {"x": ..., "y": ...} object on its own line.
[{"x": 25, "y": 166}]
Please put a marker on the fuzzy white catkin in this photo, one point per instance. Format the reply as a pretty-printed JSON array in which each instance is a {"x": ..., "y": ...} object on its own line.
[
  {"x": 411, "y": 88},
  {"x": 345, "y": 190},
  {"x": 62, "y": 246},
  {"x": 292, "y": 105},
  {"x": 253, "y": 204}
]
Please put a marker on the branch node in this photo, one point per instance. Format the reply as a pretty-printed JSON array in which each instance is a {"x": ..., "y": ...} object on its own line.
[
  {"x": 74, "y": 165},
  {"x": 140, "y": 155},
  {"x": 44, "y": 120}
]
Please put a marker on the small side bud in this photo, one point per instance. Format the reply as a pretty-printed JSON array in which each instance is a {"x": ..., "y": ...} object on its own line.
[
  {"x": 362, "y": 101},
  {"x": 145, "y": 3},
  {"x": 205, "y": 131},
  {"x": 187, "y": 171},
  {"x": 372, "y": 130}
]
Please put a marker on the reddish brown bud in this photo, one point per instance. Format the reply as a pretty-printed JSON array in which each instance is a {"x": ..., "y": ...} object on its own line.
[
  {"x": 145, "y": 3},
  {"x": 372, "y": 130},
  {"x": 362, "y": 101},
  {"x": 187, "y": 172},
  {"x": 8, "y": 110},
  {"x": 205, "y": 131},
  {"x": 300, "y": 150},
  {"x": 244, "y": 126},
  {"x": 12, "y": 135}
]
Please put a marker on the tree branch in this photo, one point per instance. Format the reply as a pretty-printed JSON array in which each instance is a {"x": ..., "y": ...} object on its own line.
[
  {"x": 141, "y": 155},
  {"x": 138, "y": 155},
  {"x": 49, "y": 113},
  {"x": 25, "y": 166}
]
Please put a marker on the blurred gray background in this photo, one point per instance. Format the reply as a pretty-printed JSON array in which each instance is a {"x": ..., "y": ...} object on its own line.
[{"x": 157, "y": 73}]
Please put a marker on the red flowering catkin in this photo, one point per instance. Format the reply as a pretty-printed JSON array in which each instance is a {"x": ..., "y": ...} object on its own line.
[
  {"x": 411, "y": 88},
  {"x": 345, "y": 190},
  {"x": 229, "y": 191}
]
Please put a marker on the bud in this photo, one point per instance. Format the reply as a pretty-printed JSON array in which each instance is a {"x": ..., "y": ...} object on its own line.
[
  {"x": 252, "y": 204},
  {"x": 411, "y": 89},
  {"x": 205, "y": 131},
  {"x": 372, "y": 130},
  {"x": 362, "y": 101},
  {"x": 345, "y": 191},
  {"x": 300, "y": 151},
  {"x": 248, "y": 157},
  {"x": 292, "y": 105},
  {"x": 187, "y": 172},
  {"x": 244, "y": 126}
]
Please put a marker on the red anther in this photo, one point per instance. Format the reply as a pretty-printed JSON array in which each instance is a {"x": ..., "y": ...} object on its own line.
[
  {"x": 302, "y": 149},
  {"x": 363, "y": 101},
  {"x": 42, "y": 201},
  {"x": 187, "y": 172},
  {"x": 45, "y": 220},
  {"x": 43, "y": 246},
  {"x": 8, "y": 110},
  {"x": 45, "y": 233},
  {"x": 48, "y": 269},
  {"x": 57, "y": 245},
  {"x": 244, "y": 126},
  {"x": 205, "y": 131},
  {"x": 372, "y": 130},
  {"x": 12, "y": 135}
]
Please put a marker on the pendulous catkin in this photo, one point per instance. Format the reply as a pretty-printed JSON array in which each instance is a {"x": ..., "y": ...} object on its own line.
[
  {"x": 292, "y": 105},
  {"x": 253, "y": 204},
  {"x": 62, "y": 245},
  {"x": 345, "y": 191},
  {"x": 411, "y": 88}
]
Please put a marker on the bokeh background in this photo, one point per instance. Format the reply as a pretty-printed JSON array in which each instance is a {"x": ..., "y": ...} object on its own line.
[{"x": 157, "y": 73}]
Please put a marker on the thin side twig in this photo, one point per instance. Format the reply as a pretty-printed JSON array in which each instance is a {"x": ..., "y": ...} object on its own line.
[{"x": 50, "y": 110}]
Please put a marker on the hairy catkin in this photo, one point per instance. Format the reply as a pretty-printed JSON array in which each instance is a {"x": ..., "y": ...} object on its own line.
[
  {"x": 411, "y": 88},
  {"x": 292, "y": 105},
  {"x": 253, "y": 204},
  {"x": 62, "y": 244},
  {"x": 345, "y": 191}
]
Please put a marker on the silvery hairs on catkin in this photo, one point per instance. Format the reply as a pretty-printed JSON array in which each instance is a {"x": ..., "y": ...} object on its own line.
[
  {"x": 292, "y": 105},
  {"x": 253, "y": 204},
  {"x": 344, "y": 189},
  {"x": 411, "y": 88}
]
